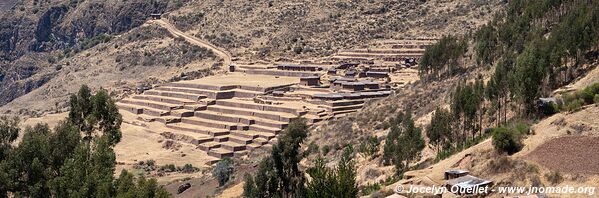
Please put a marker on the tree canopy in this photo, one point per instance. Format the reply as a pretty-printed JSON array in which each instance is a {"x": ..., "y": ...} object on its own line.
[{"x": 61, "y": 162}]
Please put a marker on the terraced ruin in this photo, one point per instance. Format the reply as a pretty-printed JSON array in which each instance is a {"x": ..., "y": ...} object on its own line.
[
  {"x": 388, "y": 51},
  {"x": 229, "y": 114}
]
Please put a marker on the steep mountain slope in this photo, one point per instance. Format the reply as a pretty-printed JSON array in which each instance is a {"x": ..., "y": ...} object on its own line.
[
  {"x": 145, "y": 55},
  {"x": 34, "y": 34}
]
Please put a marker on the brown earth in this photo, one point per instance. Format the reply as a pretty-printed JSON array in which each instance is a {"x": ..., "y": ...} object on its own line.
[{"x": 576, "y": 154}]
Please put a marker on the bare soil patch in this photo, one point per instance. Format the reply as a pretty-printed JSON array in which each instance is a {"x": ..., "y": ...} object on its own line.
[{"x": 575, "y": 154}]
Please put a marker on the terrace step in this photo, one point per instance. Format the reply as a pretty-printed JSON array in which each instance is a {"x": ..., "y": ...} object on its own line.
[
  {"x": 220, "y": 153},
  {"x": 314, "y": 118},
  {"x": 200, "y": 86},
  {"x": 214, "y": 123},
  {"x": 214, "y": 94},
  {"x": 168, "y": 119},
  {"x": 344, "y": 108},
  {"x": 195, "y": 107},
  {"x": 160, "y": 91},
  {"x": 198, "y": 129},
  {"x": 165, "y": 99},
  {"x": 211, "y": 115},
  {"x": 240, "y": 140},
  {"x": 344, "y": 102},
  {"x": 189, "y": 137},
  {"x": 133, "y": 109},
  {"x": 182, "y": 113},
  {"x": 232, "y": 146},
  {"x": 235, "y": 117},
  {"x": 344, "y": 112},
  {"x": 152, "y": 104},
  {"x": 233, "y": 138},
  {"x": 260, "y": 141},
  {"x": 261, "y": 107},
  {"x": 265, "y": 129},
  {"x": 137, "y": 109},
  {"x": 270, "y": 115},
  {"x": 250, "y": 134},
  {"x": 253, "y": 146},
  {"x": 207, "y": 146}
]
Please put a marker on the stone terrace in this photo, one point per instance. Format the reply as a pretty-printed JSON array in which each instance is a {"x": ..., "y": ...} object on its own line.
[
  {"x": 387, "y": 51},
  {"x": 230, "y": 114}
]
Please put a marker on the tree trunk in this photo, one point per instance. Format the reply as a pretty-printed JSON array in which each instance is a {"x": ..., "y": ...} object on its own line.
[{"x": 498, "y": 111}]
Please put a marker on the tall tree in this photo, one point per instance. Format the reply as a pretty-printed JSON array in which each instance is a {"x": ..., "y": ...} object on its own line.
[
  {"x": 529, "y": 74},
  {"x": 439, "y": 131},
  {"x": 404, "y": 143},
  {"x": 9, "y": 131},
  {"x": 95, "y": 113},
  {"x": 336, "y": 182},
  {"x": 62, "y": 163},
  {"x": 279, "y": 174}
]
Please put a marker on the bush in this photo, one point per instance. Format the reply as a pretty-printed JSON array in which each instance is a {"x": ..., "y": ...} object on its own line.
[
  {"x": 574, "y": 101},
  {"x": 506, "y": 140},
  {"x": 575, "y": 105},
  {"x": 168, "y": 168},
  {"x": 369, "y": 146},
  {"x": 51, "y": 60},
  {"x": 312, "y": 149},
  {"x": 522, "y": 128},
  {"x": 326, "y": 149},
  {"x": 188, "y": 168},
  {"x": 370, "y": 188},
  {"x": 554, "y": 177},
  {"x": 223, "y": 170},
  {"x": 587, "y": 95}
]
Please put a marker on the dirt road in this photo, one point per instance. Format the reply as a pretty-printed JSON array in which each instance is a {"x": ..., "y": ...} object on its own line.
[{"x": 193, "y": 40}]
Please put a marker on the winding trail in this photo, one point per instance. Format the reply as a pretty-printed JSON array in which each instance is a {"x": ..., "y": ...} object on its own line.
[{"x": 226, "y": 56}]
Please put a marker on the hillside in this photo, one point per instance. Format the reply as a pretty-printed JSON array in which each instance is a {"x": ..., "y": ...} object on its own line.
[
  {"x": 253, "y": 31},
  {"x": 274, "y": 29},
  {"x": 35, "y": 35},
  {"x": 222, "y": 97},
  {"x": 557, "y": 145},
  {"x": 122, "y": 51}
]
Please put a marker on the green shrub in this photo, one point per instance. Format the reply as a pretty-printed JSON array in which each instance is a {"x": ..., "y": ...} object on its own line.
[
  {"x": 326, "y": 149},
  {"x": 370, "y": 188},
  {"x": 587, "y": 95},
  {"x": 312, "y": 149},
  {"x": 506, "y": 140},
  {"x": 223, "y": 171},
  {"x": 168, "y": 168},
  {"x": 554, "y": 177},
  {"x": 51, "y": 60},
  {"x": 369, "y": 146},
  {"x": 574, "y": 101},
  {"x": 575, "y": 105},
  {"x": 522, "y": 128},
  {"x": 188, "y": 168}
]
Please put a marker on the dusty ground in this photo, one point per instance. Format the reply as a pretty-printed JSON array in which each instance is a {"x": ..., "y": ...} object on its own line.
[
  {"x": 564, "y": 143},
  {"x": 51, "y": 119},
  {"x": 590, "y": 78},
  {"x": 405, "y": 76},
  {"x": 141, "y": 144},
  {"x": 576, "y": 154}
]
